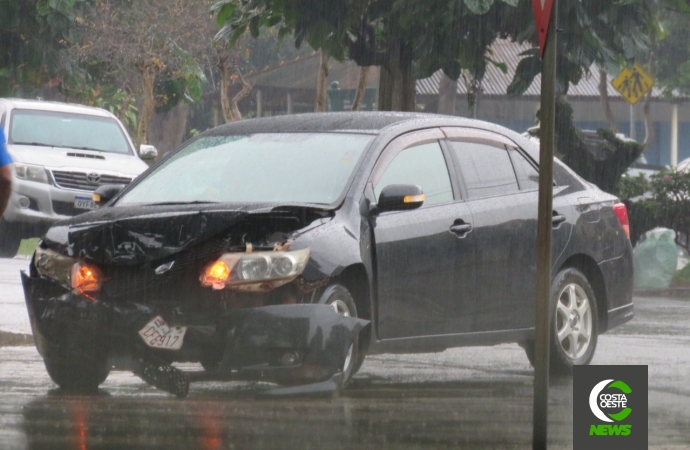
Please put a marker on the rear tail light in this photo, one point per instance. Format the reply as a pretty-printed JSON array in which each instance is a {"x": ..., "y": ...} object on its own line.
[{"x": 622, "y": 214}]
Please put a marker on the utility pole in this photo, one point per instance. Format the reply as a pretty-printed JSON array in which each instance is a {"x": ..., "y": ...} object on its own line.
[{"x": 546, "y": 13}]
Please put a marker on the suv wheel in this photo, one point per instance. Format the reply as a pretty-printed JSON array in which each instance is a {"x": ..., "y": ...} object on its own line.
[{"x": 10, "y": 238}]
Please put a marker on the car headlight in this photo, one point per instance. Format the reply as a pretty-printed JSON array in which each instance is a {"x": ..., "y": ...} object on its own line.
[
  {"x": 81, "y": 277},
  {"x": 30, "y": 172},
  {"x": 255, "y": 271}
]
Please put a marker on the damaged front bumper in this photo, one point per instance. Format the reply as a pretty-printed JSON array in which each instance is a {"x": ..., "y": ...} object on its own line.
[{"x": 292, "y": 345}]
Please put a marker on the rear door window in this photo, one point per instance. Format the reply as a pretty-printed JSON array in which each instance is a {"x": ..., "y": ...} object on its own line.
[
  {"x": 527, "y": 175},
  {"x": 485, "y": 169}
]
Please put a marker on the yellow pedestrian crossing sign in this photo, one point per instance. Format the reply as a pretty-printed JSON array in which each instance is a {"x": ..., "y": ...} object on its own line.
[{"x": 633, "y": 83}]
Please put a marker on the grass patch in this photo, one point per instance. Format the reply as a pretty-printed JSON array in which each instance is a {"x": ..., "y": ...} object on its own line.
[
  {"x": 27, "y": 246},
  {"x": 681, "y": 278}
]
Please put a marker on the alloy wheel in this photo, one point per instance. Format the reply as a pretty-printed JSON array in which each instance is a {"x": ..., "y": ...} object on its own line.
[{"x": 573, "y": 320}]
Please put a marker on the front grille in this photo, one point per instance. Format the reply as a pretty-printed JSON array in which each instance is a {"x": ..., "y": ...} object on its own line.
[
  {"x": 182, "y": 281},
  {"x": 78, "y": 180},
  {"x": 66, "y": 208}
]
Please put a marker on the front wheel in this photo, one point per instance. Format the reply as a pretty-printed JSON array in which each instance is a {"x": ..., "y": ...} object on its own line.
[
  {"x": 340, "y": 299},
  {"x": 10, "y": 239},
  {"x": 78, "y": 376}
]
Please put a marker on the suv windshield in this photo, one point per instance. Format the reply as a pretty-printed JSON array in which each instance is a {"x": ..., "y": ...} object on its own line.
[
  {"x": 258, "y": 168},
  {"x": 67, "y": 130}
]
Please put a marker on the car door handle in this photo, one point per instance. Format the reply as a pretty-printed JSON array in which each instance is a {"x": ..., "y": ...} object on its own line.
[
  {"x": 461, "y": 229},
  {"x": 557, "y": 219}
]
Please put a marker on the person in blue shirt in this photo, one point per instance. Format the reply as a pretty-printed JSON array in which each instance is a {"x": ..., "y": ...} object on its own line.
[{"x": 5, "y": 173}]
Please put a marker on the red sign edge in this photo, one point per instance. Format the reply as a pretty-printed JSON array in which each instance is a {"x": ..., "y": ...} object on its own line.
[{"x": 542, "y": 18}]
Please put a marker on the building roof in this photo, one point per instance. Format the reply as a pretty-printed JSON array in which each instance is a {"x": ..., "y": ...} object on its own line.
[
  {"x": 495, "y": 82},
  {"x": 301, "y": 73}
]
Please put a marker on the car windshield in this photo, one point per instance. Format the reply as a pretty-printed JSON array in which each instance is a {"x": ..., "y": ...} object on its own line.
[
  {"x": 67, "y": 130},
  {"x": 257, "y": 168}
]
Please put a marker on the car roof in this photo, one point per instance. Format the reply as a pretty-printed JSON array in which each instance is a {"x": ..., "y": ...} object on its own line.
[
  {"x": 40, "y": 105},
  {"x": 372, "y": 122}
]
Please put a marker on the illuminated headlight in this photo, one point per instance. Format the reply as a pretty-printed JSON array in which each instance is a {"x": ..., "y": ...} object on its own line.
[
  {"x": 29, "y": 172},
  {"x": 256, "y": 271},
  {"x": 83, "y": 278}
]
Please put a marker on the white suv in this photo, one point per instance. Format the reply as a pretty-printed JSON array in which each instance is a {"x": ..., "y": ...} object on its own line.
[{"x": 62, "y": 153}]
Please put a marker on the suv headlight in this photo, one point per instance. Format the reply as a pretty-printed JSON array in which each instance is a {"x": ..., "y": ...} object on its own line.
[
  {"x": 31, "y": 172},
  {"x": 255, "y": 271}
]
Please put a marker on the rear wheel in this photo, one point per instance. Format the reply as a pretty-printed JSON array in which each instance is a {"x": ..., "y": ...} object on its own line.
[
  {"x": 340, "y": 299},
  {"x": 10, "y": 238},
  {"x": 78, "y": 376},
  {"x": 574, "y": 323}
]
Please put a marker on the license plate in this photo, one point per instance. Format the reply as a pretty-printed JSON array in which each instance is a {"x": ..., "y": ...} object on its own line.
[
  {"x": 84, "y": 203},
  {"x": 158, "y": 334}
]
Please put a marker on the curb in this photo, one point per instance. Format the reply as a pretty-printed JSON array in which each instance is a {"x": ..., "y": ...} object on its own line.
[
  {"x": 8, "y": 339},
  {"x": 678, "y": 293}
]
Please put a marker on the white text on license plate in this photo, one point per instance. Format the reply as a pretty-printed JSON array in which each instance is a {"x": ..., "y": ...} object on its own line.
[
  {"x": 84, "y": 203},
  {"x": 158, "y": 334}
]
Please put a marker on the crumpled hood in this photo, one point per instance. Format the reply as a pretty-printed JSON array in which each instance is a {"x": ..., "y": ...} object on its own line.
[{"x": 137, "y": 235}]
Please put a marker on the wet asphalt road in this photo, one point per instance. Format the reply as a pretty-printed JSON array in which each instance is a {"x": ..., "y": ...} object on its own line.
[{"x": 460, "y": 398}]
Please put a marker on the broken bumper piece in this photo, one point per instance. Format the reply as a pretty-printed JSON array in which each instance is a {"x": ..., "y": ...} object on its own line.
[{"x": 292, "y": 345}]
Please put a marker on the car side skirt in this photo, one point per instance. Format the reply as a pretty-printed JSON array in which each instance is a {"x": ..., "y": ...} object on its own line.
[{"x": 426, "y": 344}]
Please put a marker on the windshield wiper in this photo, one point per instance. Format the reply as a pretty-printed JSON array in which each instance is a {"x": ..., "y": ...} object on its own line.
[
  {"x": 84, "y": 148},
  {"x": 37, "y": 144}
]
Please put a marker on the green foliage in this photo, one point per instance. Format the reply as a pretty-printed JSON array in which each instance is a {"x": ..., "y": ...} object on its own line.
[
  {"x": 630, "y": 187},
  {"x": 681, "y": 278},
  {"x": 673, "y": 53},
  {"x": 600, "y": 159},
  {"x": 121, "y": 104},
  {"x": 608, "y": 33},
  {"x": 668, "y": 207},
  {"x": 34, "y": 36}
]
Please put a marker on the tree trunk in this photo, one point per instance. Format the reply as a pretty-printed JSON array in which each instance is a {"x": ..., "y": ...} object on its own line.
[
  {"x": 447, "y": 95},
  {"x": 648, "y": 124},
  {"x": 361, "y": 87},
  {"x": 224, "y": 87},
  {"x": 321, "y": 84},
  {"x": 167, "y": 130},
  {"x": 604, "y": 99},
  {"x": 396, "y": 85},
  {"x": 148, "y": 78}
]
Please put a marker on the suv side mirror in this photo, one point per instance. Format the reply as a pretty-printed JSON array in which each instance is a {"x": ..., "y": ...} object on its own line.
[
  {"x": 147, "y": 152},
  {"x": 106, "y": 192},
  {"x": 400, "y": 197}
]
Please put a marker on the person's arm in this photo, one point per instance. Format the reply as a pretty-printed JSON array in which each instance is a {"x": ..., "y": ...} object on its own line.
[{"x": 5, "y": 186}]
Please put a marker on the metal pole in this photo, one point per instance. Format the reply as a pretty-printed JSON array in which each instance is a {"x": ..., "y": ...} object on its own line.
[
  {"x": 547, "y": 125},
  {"x": 632, "y": 122},
  {"x": 674, "y": 134}
]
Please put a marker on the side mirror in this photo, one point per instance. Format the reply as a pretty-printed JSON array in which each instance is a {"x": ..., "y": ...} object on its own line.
[
  {"x": 148, "y": 152},
  {"x": 400, "y": 197},
  {"x": 106, "y": 192}
]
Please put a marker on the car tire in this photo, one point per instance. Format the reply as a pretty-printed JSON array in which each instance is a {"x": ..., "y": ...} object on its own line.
[
  {"x": 574, "y": 323},
  {"x": 10, "y": 239},
  {"x": 340, "y": 299},
  {"x": 78, "y": 376}
]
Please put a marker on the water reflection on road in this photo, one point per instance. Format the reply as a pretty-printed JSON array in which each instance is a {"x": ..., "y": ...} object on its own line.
[{"x": 472, "y": 414}]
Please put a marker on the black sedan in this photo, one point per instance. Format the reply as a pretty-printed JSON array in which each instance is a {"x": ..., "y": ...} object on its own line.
[{"x": 286, "y": 249}]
